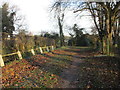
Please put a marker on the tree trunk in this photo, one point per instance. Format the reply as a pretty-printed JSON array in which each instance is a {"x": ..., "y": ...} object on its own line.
[
  {"x": 109, "y": 34},
  {"x": 109, "y": 44},
  {"x": 104, "y": 45},
  {"x": 61, "y": 32}
]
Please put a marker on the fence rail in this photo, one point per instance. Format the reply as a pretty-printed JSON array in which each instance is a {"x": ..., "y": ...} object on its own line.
[
  {"x": 9, "y": 54},
  {"x": 48, "y": 48}
]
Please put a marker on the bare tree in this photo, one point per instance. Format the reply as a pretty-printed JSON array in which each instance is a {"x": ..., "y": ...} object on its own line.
[
  {"x": 107, "y": 14},
  {"x": 59, "y": 10}
]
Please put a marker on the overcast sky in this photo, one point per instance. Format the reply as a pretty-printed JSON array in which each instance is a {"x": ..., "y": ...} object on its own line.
[{"x": 37, "y": 16}]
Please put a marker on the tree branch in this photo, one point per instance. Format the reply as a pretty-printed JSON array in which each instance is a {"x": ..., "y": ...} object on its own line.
[{"x": 86, "y": 9}]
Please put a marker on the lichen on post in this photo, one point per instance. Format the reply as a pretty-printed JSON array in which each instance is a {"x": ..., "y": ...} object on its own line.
[
  {"x": 41, "y": 51},
  {"x": 32, "y": 51},
  {"x": 19, "y": 55},
  {"x": 1, "y": 61}
]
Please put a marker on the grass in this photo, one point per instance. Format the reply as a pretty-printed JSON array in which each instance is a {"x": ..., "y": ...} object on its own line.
[
  {"x": 44, "y": 70},
  {"x": 39, "y": 71}
]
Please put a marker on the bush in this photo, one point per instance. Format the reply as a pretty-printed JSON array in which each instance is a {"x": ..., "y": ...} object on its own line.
[{"x": 23, "y": 43}]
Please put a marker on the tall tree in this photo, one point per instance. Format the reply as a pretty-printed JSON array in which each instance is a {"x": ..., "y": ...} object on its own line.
[
  {"x": 111, "y": 10},
  {"x": 7, "y": 20},
  {"x": 106, "y": 12},
  {"x": 59, "y": 14}
]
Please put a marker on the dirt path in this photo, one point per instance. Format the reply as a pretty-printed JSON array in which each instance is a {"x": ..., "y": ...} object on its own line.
[
  {"x": 87, "y": 71},
  {"x": 70, "y": 75}
]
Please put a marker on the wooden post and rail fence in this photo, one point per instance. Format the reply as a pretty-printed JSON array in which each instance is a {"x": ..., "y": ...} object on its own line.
[{"x": 46, "y": 48}]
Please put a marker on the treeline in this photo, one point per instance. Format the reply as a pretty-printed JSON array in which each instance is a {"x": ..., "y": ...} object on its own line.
[
  {"x": 78, "y": 38},
  {"x": 21, "y": 41},
  {"x": 106, "y": 17},
  {"x": 107, "y": 25},
  {"x": 24, "y": 42}
]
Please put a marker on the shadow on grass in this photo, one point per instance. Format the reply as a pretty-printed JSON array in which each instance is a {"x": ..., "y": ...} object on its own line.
[
  {"x": 77, "y": 51},
  {"x": 53, "y": 65},
  {"x": 34, "y": 83},
  {"x": 80, "y": 50},
  {"x": 100, "y": 72},
  {"x": 58, "y": 59},
  {"x": 61, "y": 54},
  {"x": 28, "y": 83}
]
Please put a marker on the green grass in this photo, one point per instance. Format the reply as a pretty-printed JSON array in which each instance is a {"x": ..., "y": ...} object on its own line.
[{"x": 44, "y": 76}]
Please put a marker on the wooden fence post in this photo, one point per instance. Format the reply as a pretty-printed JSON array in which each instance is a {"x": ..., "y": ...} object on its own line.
[
  {"x": 32, "y": 51},
  {"x": 1, "y": 61},
  {"x": 47, "y": 49},
  {"x": 19, "y": 55},
  {"x": 41, "y": 51},
  {"x": 52, "y": 48}
]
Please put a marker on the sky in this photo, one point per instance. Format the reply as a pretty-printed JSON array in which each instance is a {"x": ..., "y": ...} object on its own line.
[{"x": 38, "y": 18}]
